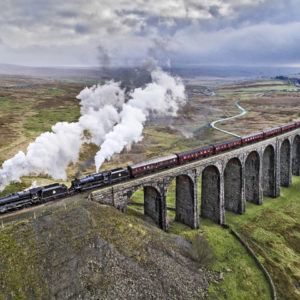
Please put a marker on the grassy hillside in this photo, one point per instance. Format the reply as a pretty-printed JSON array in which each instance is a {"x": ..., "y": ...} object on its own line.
[
  {"x": 89, "y": 251},
  {"x": 241, "y": 278},
  {"x": 272, "y": 231}
]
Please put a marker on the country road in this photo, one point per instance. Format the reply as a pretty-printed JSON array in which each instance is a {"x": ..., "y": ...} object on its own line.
[{"x": 212, "y": 124}]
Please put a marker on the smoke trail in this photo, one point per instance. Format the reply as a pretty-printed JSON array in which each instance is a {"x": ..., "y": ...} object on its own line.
[
  {"x": 103, "y": 56},
  {"x": 163, "y": 97},
  {"x": 52, "y": 152}
]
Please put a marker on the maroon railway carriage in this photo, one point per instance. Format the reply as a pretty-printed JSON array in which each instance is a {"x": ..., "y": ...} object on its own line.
[
  {"x": 288, "y": 126},
  {"x": 223, "y": 146},
  {"x": 297, "y": 123},
  {"x": 251, "y": 138},
  {"x": 195, "y": 154},
  {"x": 153, "y": 165},
  {"x": 271, "y": 132}
]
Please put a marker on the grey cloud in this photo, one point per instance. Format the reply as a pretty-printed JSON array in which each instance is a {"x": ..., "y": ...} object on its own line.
[
  {"x": 214, "y": 11},
  {"x": 193, "y": 31},
  {"x": 259, "y": 44},
  {"x": 67, "y": 14},
  {"x": 268, "y": 11},
  {"x": 82, "y": 29}
]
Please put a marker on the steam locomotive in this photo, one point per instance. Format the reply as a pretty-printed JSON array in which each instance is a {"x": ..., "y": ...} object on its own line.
[
  {"x": 55, "y": 191},
  {"x": 33, "y": 196},
  {"x": 99, "y": 179}
]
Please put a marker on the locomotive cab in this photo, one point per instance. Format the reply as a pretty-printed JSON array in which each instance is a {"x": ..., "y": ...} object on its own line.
[
  {"x": 53, "y": 191},
  {"x": 35, "y": 194},
  {"x": 119, "y": 174},
  {"x": 106, "y": 176}
]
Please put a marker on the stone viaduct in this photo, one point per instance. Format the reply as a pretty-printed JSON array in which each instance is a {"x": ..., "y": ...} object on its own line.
[{"x": 228, "y": 181}]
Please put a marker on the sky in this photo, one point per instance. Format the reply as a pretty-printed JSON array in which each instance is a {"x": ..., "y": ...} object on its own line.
[{"x": 126, "y": 32}]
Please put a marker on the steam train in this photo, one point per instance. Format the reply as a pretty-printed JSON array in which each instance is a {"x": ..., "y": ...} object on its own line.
[{"x": 56, "y": 191}]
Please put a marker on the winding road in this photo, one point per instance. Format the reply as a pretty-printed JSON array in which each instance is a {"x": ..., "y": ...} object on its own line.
[{"x": 212, "y": 124}]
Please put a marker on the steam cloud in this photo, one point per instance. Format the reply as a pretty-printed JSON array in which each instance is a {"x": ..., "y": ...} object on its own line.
[
  {"x": 106, "y": 120},
  {"x": 163, "y": 96}
]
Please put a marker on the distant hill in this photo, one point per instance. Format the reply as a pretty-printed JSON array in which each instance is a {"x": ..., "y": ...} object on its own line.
[
  {"x": 233, "y": 71},
  {"x": 57, "y": 72},
  {"x": 136, "y": 76}
]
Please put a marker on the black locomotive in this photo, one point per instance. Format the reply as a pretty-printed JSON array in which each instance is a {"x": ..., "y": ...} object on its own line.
[
  {"x": 99, "y": 179},
  {"x": 48, "y": 193},
  {"x": 33, "y": 196}
]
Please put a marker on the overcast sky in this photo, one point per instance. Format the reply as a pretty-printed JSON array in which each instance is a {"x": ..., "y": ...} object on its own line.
[{"x": 125, "y": 32}]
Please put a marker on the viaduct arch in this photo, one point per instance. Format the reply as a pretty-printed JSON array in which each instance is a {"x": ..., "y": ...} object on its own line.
[{"x": 153, "y": 205}]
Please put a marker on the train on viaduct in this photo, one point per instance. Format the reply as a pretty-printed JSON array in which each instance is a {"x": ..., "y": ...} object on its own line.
[{"x": 228, "y": 180}]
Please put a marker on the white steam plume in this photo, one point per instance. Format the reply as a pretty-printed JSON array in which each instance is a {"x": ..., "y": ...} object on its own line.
[
  {"x": 99, "y": 109},
  {"x": 52, "y": 152},
  {"x": 163, "y": 96}
]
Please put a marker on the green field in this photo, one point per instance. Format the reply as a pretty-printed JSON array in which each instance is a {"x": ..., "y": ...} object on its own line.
[{"x": 273, "y": 232}]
